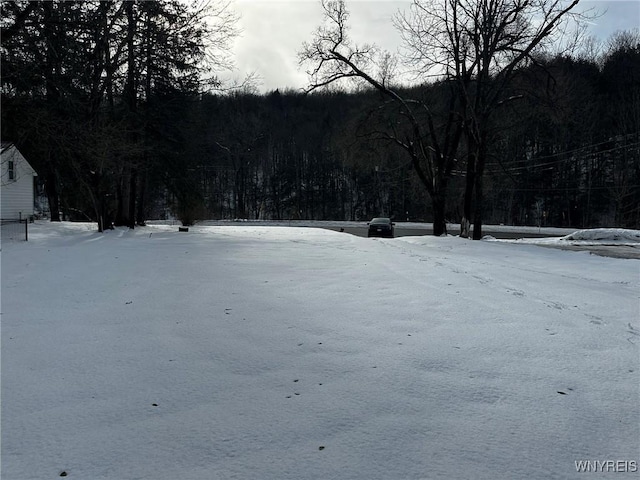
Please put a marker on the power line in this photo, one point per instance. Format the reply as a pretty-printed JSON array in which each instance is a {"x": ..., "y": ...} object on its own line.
[
  {"x": 561, "y": 154},
  {"x": 566, "y": 189}
]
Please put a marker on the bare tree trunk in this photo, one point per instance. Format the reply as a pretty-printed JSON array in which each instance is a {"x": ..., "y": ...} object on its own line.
[
  {"x": 52, "y": 97},
  {"x": 131, "y": 101},
  {"x": 479, "y": 188},
  {"x": 439, "y": 218},
  {"x": 478, "y": 208},
  {"x": 465, "y": 223},
  {"x": 141, "y": 214},
  {"x": 133, "y": 183},
  {"x": 52, "y": 195}
]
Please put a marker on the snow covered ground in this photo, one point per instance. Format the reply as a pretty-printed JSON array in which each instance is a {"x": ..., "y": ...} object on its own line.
[
  {"x": 608, "y": 242},
  {"x": 265, "y": 352}
]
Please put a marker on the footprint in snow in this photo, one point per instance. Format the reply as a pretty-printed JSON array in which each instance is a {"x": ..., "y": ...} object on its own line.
[{"x": 556, "y": 305}]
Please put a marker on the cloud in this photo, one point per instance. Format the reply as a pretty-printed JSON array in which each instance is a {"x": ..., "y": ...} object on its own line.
[
  {"x": 272, "y": 34},
  {"x": 615, "y": 15}
]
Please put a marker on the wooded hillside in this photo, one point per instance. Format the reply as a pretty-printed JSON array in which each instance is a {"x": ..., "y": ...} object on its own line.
[{"x": 117, "y": 106}]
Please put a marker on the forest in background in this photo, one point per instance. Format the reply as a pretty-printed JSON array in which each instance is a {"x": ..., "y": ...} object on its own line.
[{"x": 117, "y": 106}]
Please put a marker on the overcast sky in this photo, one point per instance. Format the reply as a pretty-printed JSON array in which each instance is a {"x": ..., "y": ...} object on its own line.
[{"x": 273, "y": 32}]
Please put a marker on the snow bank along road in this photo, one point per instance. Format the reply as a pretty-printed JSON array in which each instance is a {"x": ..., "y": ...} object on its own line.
[
  {"x": 301, "y": 353},
  {"x": 607, "y": 246}
]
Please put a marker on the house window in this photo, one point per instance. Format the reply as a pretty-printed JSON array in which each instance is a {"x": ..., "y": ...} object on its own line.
[{"x": 12, "y": 170}]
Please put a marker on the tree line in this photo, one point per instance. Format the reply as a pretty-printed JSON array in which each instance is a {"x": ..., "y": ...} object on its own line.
[
  {"x": 86, "y": 87},
  {"x": 117, "y": 106}
]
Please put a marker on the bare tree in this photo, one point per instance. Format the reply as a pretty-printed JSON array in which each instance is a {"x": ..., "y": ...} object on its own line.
[
  {"x": 479, "y": 45},
  {"x": 333, "y": 57},
  {"x": 475, "y": 47}
]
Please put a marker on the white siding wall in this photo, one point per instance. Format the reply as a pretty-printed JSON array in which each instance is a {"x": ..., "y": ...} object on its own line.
[{"x": 16, "y": 195}]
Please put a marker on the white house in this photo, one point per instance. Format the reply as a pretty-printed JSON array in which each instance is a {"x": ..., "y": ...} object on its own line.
[{"x": 16, "y": 184}]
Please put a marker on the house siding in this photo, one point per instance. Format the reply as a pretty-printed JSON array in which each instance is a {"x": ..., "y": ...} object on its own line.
[{"x": 16, "y": 195}]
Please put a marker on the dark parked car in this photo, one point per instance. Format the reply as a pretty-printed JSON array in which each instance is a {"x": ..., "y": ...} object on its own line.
[{"x": 381, "y": 227}]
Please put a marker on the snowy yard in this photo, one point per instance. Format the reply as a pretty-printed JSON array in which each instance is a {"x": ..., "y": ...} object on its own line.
[{"x": 273, "y": 352}]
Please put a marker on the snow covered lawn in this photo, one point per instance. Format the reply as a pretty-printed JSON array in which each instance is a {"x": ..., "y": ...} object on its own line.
[{"x": 256, "y": 352}]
